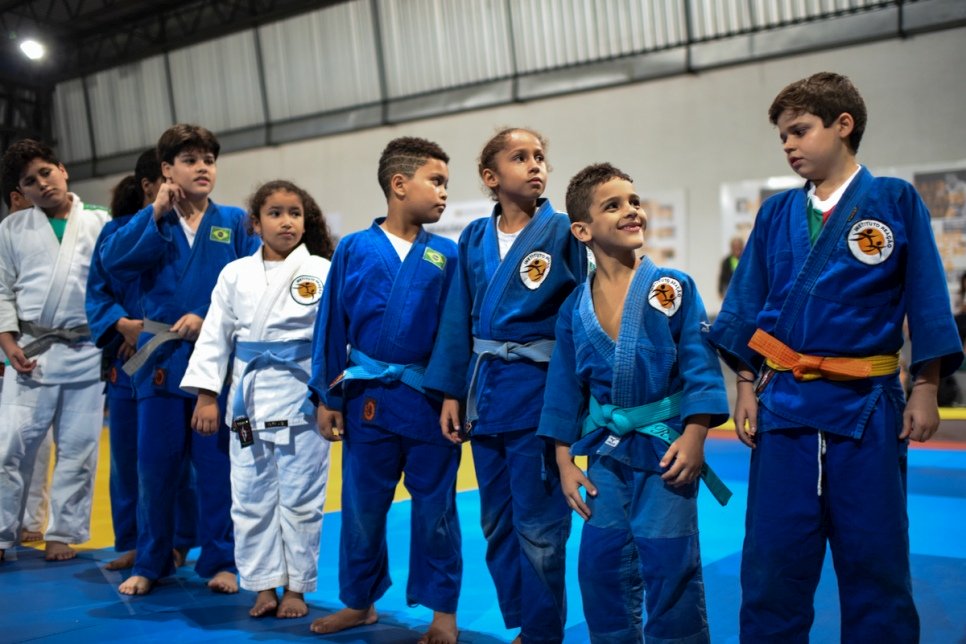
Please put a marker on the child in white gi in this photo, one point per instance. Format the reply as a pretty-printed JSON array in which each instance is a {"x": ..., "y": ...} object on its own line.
[{"x": 263, "y": 310}]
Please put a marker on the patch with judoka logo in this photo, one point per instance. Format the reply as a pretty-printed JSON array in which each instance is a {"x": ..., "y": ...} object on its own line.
[
  {"x": 160, "y": 377},
  {"x": 369, "y": 410},
  {"x": 665, "y": 295},
  {"x": 435, "y": 258},
  {"x": 871, "y": 241},
  {"x": 220, "y": 234},
  {"x": 306, "y": 289},
  {"x": 534, "y": 269}
]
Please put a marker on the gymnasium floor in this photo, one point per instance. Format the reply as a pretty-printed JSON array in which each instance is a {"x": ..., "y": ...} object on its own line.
[{"x": 77, "y": 601}]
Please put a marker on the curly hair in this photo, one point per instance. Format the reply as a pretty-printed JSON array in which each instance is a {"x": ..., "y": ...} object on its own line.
[
  {"x": 405, "y": 156},
  {"x": 580, "y": 190},
  {"x": 16, "y": 159},
  {"x": 317, "y": 237}
]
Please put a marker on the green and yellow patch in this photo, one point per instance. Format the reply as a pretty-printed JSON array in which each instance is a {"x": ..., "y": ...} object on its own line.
[
  {"x": 435, "y": 258},
  {"x": 220, "y": 234}
]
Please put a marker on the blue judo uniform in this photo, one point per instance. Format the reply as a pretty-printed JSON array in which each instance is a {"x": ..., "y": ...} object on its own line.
[
  {"x": 525, "y": 518},
  {"x": 828, "y": 466},
  {"x": 173, "y": 279},
  {"x": 109, "y": 300},
  {"x": 388, "y": 311},
  {"x": 642, "y": 534}
]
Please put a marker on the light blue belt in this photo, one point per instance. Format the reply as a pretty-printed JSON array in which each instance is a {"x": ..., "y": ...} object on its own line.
[
  {"x": 365, "y": 368},
  {"x": 649, "y": 419},
  {"x": 286, "y": 354},
  {"x": 536, "y": 351}
]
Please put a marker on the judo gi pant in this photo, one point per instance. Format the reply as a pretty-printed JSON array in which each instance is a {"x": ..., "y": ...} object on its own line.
[
  {"x": 75, "y": 413},
  {"x": 277, "y": 499},
  {"x": 370, "y": 473},
  {"x": 861, "y": 514},
  {"x": 642, "y": 535},
  {"x": 123, "y": 429},
  {"x": 38, "y": 489},
  {"x": 165, "y": 442},
  {"x": 526, "y": 522}
]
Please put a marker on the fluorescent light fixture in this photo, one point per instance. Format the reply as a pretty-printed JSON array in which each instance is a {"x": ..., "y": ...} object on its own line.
[{"x": 32, "y": 49}]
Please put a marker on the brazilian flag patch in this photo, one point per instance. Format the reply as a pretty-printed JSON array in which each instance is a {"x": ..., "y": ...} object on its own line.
[
  {"x": 220, "y": 234},
  {"x": 435, "y": 258}
]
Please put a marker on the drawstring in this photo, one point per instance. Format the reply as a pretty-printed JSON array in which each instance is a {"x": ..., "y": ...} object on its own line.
[{"x": 821, "y": 453}]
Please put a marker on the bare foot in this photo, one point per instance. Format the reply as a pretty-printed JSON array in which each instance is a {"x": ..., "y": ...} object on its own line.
[
  {"x": 123, "y": 562},
  {"x": 31, "y": 535},
  {"x": 179, "y": 556},
  {"x": 345, "y": 618},
  {"x": 265, "y": 603},
  {"x": 58, "y": 551},
  {"x": 442, "y": 630},
  {"x": 224, "y": 582},
  {"x": 136, "y": 585},
  {"x": 293, "y": 605}
]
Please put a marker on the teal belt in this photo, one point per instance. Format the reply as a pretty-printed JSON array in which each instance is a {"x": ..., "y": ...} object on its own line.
[
  {"x": 649, "y": 420},
  {"x": 365, "y": 368}
]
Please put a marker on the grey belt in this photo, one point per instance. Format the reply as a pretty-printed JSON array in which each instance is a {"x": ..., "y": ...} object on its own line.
[
  {"x": 536, "y": 351},
  {"x": 45, "y": 337},
  {"x": 162, "y": 335}
]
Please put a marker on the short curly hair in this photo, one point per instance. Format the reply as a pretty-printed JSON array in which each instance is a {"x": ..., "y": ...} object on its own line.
[
  {"x": 16, "y": 159},
  {"x": 405, "y": 156},
  {"x": 580, "y": 190}
]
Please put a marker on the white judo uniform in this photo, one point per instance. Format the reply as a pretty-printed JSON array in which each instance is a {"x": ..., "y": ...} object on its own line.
[
  {"x": 43, "y": 283},
  {"x": 277, "y": 482}
]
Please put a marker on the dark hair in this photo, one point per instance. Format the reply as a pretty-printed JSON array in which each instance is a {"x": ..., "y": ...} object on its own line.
[
  {"x": 16, "y": 159},
  {"x": 148, "y": 167},
  {"x": 827, "y": 96},
  {"x": 405, "y": 156},
  {"x": 127, "y": 197},
  {"x": 317, "y": 237},
  {"x": 497, "y": 143},
  {"x": 580, "y": 190},
  {"x": 186, "y": 137}
]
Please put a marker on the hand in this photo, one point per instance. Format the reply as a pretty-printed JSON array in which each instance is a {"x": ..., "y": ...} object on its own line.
[
  {"x": 920, "y": 420},
  {"x": 169, "y": 194},
  {"x": 130, "y": 330},
  {"x": 572, "y": 478},
  {"x": 188, "y": 326},
  {"x": 746, "y": 410},
  {"x": 449, "y": 420},
  {"x": 125, "y": 351},
  {"x": 330, "y": 423},
  {"x": 15, "y": 355},
  {"x": 206, "y": 418},
  {"x": 685, "y": 456}
]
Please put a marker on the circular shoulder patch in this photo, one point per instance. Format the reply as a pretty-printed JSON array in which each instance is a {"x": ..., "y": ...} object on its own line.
[
  {"x": 665, "y": 295},
  {"x": 871, "y": 241},
  {"x": 306, "y": 289},
  {"x": 534, "y": 269}
]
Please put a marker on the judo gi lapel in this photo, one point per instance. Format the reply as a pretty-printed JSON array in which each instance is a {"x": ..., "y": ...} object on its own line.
[
  {"x": 396, "y": 314},
  {"x": 65, "y": 259},
  {"x": 501, "y": 274},
  {"x": 201, "y": 238},
  {"x": 625, "y": 383},
  {"x": 813, "y": 259},
  {"x": 276, "y": 289}
]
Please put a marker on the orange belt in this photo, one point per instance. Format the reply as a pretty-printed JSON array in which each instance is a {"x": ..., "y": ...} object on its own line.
[{"x": 780, "y": 357}]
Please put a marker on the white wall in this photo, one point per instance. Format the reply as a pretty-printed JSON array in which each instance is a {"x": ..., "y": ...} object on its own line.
[{"x": 687, "y": 132}]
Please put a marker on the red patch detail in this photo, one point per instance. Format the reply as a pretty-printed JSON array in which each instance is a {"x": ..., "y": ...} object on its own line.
[
  {"x": 369, "y": 410},
  {"x": 160, "y": 376}
]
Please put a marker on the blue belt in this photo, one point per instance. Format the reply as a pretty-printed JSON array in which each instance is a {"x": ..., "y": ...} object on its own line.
[
  {"x": 259, "y": 355},
  {"x": 649, "y": 420},
  {"x": 536, "y": 351},
  {"x": 365, "y": 368}
]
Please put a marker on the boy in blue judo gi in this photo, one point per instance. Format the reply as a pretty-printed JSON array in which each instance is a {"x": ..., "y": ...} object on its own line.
[
  {"x": 175, "y": 248},
  {"x": 634, "y": 385},
  {"x": 812, "y": 324},
  {"x": 383, "y": 298}
]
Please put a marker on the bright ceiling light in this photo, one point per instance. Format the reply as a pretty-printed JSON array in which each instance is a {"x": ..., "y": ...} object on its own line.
[{"x": 32, "y": 49}]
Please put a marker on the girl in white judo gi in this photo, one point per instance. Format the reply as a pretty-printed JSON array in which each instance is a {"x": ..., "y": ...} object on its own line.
[{"x": 263, "y": 310}]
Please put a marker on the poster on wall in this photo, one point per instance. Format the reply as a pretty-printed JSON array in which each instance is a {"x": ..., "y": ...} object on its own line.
[
  {"x": 664, "y": 240},
  {"x": 740, "y": 201}
]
